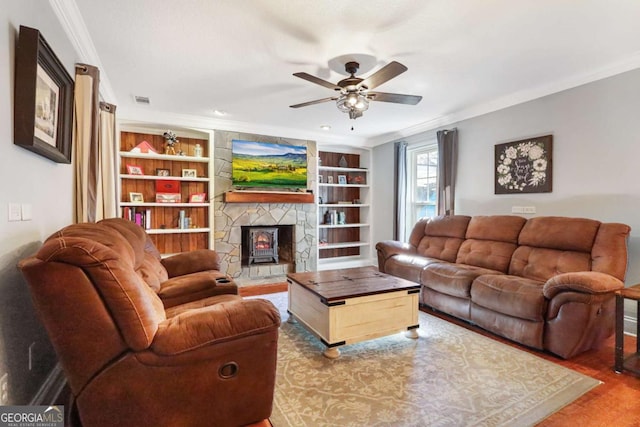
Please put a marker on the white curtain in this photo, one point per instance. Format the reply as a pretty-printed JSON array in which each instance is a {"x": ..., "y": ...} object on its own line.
[
  {"x": 94, "y": 149},
  {"x": 447, "y": 165},
  {"x": 400, "y": 198},
  {"x": 106, "y": 204}
]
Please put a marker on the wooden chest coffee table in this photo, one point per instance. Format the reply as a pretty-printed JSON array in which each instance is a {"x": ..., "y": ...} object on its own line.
[{"x": 351, "y": 305}]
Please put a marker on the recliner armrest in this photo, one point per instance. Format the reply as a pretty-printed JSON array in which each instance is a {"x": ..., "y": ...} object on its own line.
[
  {"x": 222, "y": 322},
  {"x": 191, "y": 262},
  {"x": 590, "y": 282}
]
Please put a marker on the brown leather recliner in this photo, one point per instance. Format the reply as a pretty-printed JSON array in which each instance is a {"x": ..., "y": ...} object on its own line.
[{"x": 131, "y": 361}]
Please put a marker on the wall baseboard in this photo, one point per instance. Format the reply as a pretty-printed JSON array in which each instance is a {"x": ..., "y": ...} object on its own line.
[{"x": 51, "y": 389}]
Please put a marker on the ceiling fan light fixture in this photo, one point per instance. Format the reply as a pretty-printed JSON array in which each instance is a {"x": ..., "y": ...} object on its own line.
[
  {"x": 353, "y": 104},
  {"x": 354, "y": 95},
  {"x": 362, "y": 104}
]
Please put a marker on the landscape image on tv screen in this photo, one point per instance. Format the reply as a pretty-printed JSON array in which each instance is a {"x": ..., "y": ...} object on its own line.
[{"x": 268, "y": 165}]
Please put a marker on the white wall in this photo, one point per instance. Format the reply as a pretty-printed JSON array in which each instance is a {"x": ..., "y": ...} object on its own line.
[
  {"x": 382, "y": 185},
  {"x": 26, "y": 177},
  {"x": 596, "y": 147}
]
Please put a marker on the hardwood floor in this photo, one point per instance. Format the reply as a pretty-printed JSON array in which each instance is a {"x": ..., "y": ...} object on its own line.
[{"x": 616, "y": 402}]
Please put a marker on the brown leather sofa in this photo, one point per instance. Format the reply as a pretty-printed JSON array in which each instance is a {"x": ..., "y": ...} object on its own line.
[
  {"x": 137, "y": 349},
  {"x": 546, "y": 282}
]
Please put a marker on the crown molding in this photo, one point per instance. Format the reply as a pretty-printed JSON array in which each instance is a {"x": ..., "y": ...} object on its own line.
[
  {"x": 204, "y": 122},
  {"x": 73, "y": 24},
  {"x": 630, "y": 63}
]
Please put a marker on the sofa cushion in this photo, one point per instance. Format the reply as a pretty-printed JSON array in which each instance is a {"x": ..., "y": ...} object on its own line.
[
  {"x": 542, "y": 264},
  {"x": 135, "y": 235},
  {"x": 452, "y": 279},
  {"x": 499, "y": 228},
  {"x": 510, "y": 295},
  {"x": 565, "y": 234},
  {"x": 441, "y": 238},
  {"x": 103, "y": 235},
  {"x": 189, "y": 287},
  {"x": 147, "y": 258},
  {"x": 205, "y": 302},
  {"x": 488, "y": 245},
  {"x": 487, "y": 254}
]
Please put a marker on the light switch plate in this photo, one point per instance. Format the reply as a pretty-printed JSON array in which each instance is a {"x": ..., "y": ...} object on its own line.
[
  {"x": 15, "y": 212},
  {"x": 26, "y": 212}
]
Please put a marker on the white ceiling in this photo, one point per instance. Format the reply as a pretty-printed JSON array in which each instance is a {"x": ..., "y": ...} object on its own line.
[{"x": 465, "y": 57}]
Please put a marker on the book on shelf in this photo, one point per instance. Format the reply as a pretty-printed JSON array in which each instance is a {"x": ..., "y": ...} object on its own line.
[{"x": 142, "y": 217}]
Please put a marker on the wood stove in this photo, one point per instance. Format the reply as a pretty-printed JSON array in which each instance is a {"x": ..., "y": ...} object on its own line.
[{"x": 262, "y": 243}]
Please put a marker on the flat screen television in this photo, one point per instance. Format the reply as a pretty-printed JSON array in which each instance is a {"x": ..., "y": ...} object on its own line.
[{"x": 268, "y": 165}]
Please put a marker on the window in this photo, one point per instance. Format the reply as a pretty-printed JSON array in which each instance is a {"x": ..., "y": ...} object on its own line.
[{"x": 422, "y": 187}]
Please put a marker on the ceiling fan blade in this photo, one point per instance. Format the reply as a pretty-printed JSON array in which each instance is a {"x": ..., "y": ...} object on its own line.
[
  {"x": 394, "y": 97},
  {"x": 386, "y": 73},
  {"x": 317, "y": 101},
  {"x": 316, "y": 80}
]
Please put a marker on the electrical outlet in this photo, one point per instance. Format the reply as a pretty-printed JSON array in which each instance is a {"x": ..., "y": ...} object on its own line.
[
  {"x": 517, "y": 209},
  {"x": 529, "y": 209},
  {"x": 4, "y": 390}
]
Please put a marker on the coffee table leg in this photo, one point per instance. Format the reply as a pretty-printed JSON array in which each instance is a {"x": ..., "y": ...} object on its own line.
[
  {"x": 331, "y": 353},
  {"x": 412, "y": 333}
]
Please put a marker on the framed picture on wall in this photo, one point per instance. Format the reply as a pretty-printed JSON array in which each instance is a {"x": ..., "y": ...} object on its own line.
[
  {"x": 524, "y": 166},
  {"x": 43, "y": 99}
]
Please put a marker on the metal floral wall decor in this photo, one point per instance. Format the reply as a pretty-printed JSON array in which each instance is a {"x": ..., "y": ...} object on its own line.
[{"x": 524, "y": 166}]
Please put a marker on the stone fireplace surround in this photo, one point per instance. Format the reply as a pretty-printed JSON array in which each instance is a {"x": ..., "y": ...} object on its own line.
[{"x": 230, "y": 217}]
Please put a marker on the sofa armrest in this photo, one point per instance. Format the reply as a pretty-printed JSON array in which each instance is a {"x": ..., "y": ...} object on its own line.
[
  {"x": 589, "y": 282},
  {"x": 218, "y": 323},
  {"x": 389, "y": 248},
  {"x": 191, "y": 262}
]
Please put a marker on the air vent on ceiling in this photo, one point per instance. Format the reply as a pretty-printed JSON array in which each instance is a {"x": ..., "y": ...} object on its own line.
[{"x": 142, "y": 99}]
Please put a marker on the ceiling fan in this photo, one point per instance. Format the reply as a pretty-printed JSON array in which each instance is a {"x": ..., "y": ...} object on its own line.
[{"x": 354, "y": 93}]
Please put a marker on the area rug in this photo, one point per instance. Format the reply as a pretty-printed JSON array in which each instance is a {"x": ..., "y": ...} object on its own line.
[{"x": 450, "y": 376}]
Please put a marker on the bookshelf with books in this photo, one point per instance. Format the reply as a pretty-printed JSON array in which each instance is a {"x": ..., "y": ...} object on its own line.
[
  {"x": 343, "y": 209},
  {"x": 164, "y": 186}
]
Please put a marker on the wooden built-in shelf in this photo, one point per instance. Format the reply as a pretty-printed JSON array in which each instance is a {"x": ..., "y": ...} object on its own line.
[{"x": 267, "y": 197}]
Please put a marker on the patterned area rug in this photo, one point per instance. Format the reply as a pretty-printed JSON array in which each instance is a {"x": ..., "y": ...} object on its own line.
[{"x": 450, "y": 376}]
